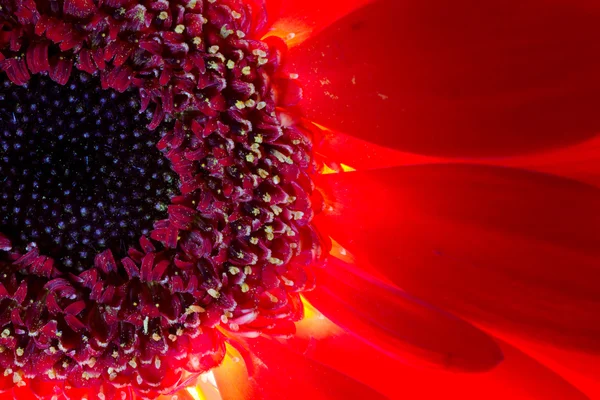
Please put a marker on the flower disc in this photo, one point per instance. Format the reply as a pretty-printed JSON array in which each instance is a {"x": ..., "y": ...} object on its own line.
[{"x": 154, "y": 202}]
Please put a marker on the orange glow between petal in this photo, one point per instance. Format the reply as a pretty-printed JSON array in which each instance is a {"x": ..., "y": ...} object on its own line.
[
  {"x": 292, "y": 32},
  {"x": 314, "y": 324},
  {"x": 326, "y": 170},
  {"x": 338, "y": 251},
  {"x": 205, "y": 388},
  {"x": 196, "y": 393}
]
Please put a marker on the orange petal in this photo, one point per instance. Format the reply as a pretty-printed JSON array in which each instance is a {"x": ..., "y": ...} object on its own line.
[
  {"x": 398, "y": 324},
  {"x": 513, "y": 249},
  {"x": 517, "y": 377},
  {"x": 460, "y": 78},
  {"x": 283, "y": 374},
  {"x": 297, "y": 20}
]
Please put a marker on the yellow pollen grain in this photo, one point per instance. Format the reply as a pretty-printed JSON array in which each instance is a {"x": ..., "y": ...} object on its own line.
[
  {"x": 266, "y": 198},
  {"x": 247, "y": 70},
  {"x": 281, "y": 157},
  {"x": 236, "y": 15},
  {"x": 250, "y": 103},
  {"x": 287, "y": 281},
  {"x": 254, "y": 240},
  {"x": 17, "y": 378},
  {"x": 225, "y": 32},
  {"x": 194, "y": 309},
  {"x": 250, "y": 157},
  {"x": 163, "y": 15},
  {"x": 272, "y": 297},
  {"x": 276, "y": 209},
  {"x": 179, "y": 28},
  {"x": 20, "y": 352},
  {"x": 240, "y": 104},
  {"x": 262, "y": 173},
  {"x": 240, "y": 34},
  {"x": 197, "y": 41},
  {"x": 248, "y": 270},
  {"x": 276, "y": 180},
  {"x": 230, "y": 64},
  {"x": 244, "y": 287},
  {"x": 275, "y": 261},
  {"x": 213, "y": 293},
  {"x": 261, "y": 105},
  {"x": 269, "y": 232},
  {"x": 213, "y": 49}
]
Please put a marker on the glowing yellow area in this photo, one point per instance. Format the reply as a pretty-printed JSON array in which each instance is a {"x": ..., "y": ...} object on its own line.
[
  {"x": 338, "y": 251},
  {"x": 196, "y": 393},
  {"x": 321, "y": 127},
  {"x": 205, "y": 389},
  {"x": 326, "y": 170},
  {"x": 309, "y": 310},
  {"x": 291, "y": 31},
  {"x": 314, "y": 324},
  {"x": 347, "y": 168}
]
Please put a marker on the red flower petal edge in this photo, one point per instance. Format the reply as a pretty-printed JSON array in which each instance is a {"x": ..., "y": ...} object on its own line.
[
  {"x": 398, "y": 324},
  {"x": 513, "y": 249},
  {"x": 461, "y": 78}
]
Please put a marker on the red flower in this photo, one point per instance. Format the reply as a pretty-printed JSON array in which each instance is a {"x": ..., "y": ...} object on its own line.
[{"x": 457, "y": 211}]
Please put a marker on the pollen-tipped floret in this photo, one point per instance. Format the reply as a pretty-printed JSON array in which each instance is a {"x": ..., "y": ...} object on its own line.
[{"x": 230, "y": 255}]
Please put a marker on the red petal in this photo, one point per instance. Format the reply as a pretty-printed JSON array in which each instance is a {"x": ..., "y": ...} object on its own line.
[
  {"x": 296, "y": 20},
  {"x": 338, "y": 148},
  {"x": 515, "y": 249},
  {"x": 286, "y": 375},
  {"x": 517, "y": 377},
  {"x": 580, "y": 161},
  {"x": 399, "y": 324},
  {"x": 79, "y": 8},
  {"x": 37, "y": 57},
  {"x": 457, "y": 78},
  {"x": 60, "y": 70},
  {"x": 16, "y": 70},
  {"x": 579, "y": 368}
]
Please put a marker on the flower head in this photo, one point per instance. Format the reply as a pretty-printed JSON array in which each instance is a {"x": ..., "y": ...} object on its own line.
[
  {"x": 153, "y": 199},
  {"x": 298, "y": 199}
]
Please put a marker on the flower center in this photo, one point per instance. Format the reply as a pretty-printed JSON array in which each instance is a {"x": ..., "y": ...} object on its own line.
[{"x": 80, "y": 171}]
